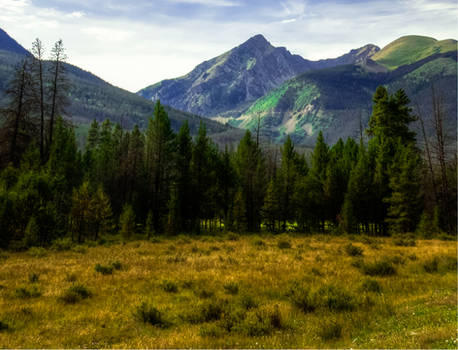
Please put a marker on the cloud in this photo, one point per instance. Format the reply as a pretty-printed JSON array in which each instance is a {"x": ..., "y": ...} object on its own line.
[{"x": 135, "y": 44}]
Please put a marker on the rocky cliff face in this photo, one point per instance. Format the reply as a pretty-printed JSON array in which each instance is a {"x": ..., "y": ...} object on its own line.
[{"x": 226, "y": 85}]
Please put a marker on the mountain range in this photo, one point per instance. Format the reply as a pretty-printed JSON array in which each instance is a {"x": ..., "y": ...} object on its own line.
[
  {"x": 286, "y": 94},
  {"x": 293, "y": 96}
]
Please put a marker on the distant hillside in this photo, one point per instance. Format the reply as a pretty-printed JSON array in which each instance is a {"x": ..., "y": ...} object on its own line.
[
  {"x": 337, "y": 100},
  {"x": 226, "y": 85},
  {"x": 412, "y": 48},
  {"x": 93, "y": 98}
]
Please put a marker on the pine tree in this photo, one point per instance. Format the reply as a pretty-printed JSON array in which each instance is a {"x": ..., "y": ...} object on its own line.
[
  {"x": 271, "y": 208},
  {"x": 127, "y": 222}
]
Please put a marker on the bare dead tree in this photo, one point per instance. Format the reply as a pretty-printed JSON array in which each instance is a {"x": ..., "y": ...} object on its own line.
[{"x": 37, "y": 69}]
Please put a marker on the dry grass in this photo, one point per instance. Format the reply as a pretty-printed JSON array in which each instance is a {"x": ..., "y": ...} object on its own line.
[{"x": 248, "y": 284}]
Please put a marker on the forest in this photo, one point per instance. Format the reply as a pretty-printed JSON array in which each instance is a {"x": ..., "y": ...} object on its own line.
[{"x": 157, "y": 182}]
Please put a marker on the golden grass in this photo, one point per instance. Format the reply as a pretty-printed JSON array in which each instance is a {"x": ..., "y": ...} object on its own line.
[{"x": 415, "y": 309}]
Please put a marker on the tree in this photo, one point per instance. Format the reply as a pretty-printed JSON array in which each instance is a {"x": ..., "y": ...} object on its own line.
[
  {"x": 287, "y": 178},
  {"x": 127, "y": 222},
  {"x": 158, "y": 163},
  {"x": 18, "y": 127},
  {"x": 58, "y": 86},
  {"x": 38, "y": 76},
  {"x": 271, "y": 208}
]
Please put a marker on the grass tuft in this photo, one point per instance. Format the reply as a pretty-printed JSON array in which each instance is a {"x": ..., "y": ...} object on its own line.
[
  {"x": 75, "y": 294},
  {"x": 353, "y": 250}
]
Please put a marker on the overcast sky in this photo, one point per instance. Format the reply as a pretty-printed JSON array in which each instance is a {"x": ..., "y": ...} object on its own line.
[{"x": 133, "y": 44}]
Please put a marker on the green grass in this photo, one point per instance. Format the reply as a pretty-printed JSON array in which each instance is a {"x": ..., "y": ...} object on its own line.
[
  {"x": 412, "y": 48},
  {"x": 232, "y": 293}
]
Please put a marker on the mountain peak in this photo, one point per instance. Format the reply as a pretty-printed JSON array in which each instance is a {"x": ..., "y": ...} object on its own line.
[
  {"x": 258, "y": 40},
  {"x": 7, "y": 43}
]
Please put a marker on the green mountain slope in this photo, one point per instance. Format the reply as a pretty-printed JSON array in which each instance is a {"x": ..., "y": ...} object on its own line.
[
  {"x": 339, "y": 100},
  {"x": 412, "y": 48}
]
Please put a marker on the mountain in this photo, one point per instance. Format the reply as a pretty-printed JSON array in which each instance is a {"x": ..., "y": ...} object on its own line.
[
  {"x": 412, "y": 48},
  {"x": 93, "y": 98},
  {"x": 338, "y": 100},
  {"x": 226, "y": 85}
]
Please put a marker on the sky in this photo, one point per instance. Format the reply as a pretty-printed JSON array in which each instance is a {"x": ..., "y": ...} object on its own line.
[{"x": 133, "y": 44}]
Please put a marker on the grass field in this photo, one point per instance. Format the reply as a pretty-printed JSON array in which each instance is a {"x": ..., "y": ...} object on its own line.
[{"x": 281, "y": 291}]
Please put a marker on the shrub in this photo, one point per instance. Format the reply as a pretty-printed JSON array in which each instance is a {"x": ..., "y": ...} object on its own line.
[
  {"x": 62, "y": 244},
  {"x": 431, "y": 265},
  {"x": 259, "y": 242},
  {"x": 71, "y": 277},
  {"x": 370, "y": 285},
  {"x": 116, "y": 265},
  {"x": 231, "y": 288},
  {"x": 302, "y": 298},
  {"x": 283, "y": 244},
  {"x": 204, "y": 293},
  {"x": 75, "y": 293},
  {"x": 353, "y": 250},
  {"x": 211, "y": 330},
  {"x": 150, "y": 314},
  {"x": 248, "y": 302},
  {"x": 335, "y": 298},
  {"x": 260, "y": 322},
  {"x": 316, "y": 272},
  {"x": 79, "y": 249},
  {"x": 404, "y": 242},
  {"x": 104, "y": 269},
  {"x": 232, "y": 236},
  {"x": 169, "y": 286},
  {"x": 34, "y": 277},
  {"x": 378, "y": 268},
  {"x": 330, "y": 330},
  {"x": 25, "y": 293},
  {"x": 206, "y": 312},
  {"x": 37, "y": 252},
  {"x": 3, "y": 326}
]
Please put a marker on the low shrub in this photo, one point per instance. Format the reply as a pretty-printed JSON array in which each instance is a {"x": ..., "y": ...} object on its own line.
[
  {"x": 248, "y": 302},
  {"x": 25, "y": 293},
  {"x": 37, "y": 252},
  {"x": 353, "y": 250},
  {"x": 316, "y": 272},
  {"x": 75, "y": 293},
  {"x": 62, "y": 244},
  {"x": 79, "y": 249},
  {"x": 283, "y": 244},
  {"x": 258, "y": 242},
  {"x": 150, "y": 314},
  {"x": 104, "y": 269},
  {"x": 116, "y": 265},
  {"x": 3, "y": 326},
  {"x": 208, "y": 311},
  {"x": 431, "y": 265},
  {"x": 34, "y": 277},
  {"x": 211, "y": 330},
  {"x": 330, "y": 330},
  {"x": 370, "y": 285},
  {"x": 231, "y": 288},
  {"x": 169, "y": 286},
  {"x": 335, "y": 298},
  {"x": 233, "y": 236},
  {"x": 404, "y": 242},
  {"x": 71, "y": 277},
  {"x": 259, "y": 322},
  {"x": 302, "y": 298},
  {"x": 378, "y": 268}
]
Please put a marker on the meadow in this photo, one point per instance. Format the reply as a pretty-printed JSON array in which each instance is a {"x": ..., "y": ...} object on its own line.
[{"x": 232, "y": 291}]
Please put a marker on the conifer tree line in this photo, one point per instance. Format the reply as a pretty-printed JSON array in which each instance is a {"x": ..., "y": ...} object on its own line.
[{"x": 145, "y": 183}]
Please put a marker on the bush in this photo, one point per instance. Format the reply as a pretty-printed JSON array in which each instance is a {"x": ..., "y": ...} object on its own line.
[
  {"x": 335, "y": 298},
  {"x": 206, "y": 312},
  {"x": 79, "y": 249},
  {"x": 378, "y": 268},
  {"x": 211, "y": 330},
  {"x": 431, "y": 265},
  {"x": 353, "y": 250},
  {"x": 169, "y": 286},
  {"x": 150, "y": 314},
  {"x": 330, "y": 330},
  {"x": 3, "y": 326},
  {"x": 104, "y": 269},
  {"x": 25, "y": 293},
  {"x": 34, "y": 277},
  {"x": 37, "y": 252},
  {"x": 75, "y": 293},
  {"x": 260, "y": 322},
  {"x": 370, "y": 285},
  {"x": 248, "y": 302},
  {"x": 259, "y": 242},
  {"x": 283, "y": 244},
  {"x": 232, "y": 236},
  {"x": 302, "y": 298},
  {"x": 231, "y": 288},
  {"x": 404, "y": 242},
  {"x": 116, "y": 265},
  {"x": 62, "y": 244}
]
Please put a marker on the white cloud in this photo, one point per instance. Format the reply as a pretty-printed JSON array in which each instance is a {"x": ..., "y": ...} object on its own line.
[{"x": 224, "y": 3}]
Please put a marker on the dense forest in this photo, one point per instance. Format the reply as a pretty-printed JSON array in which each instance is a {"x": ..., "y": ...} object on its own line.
[{"x": 158, "y": 182}]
